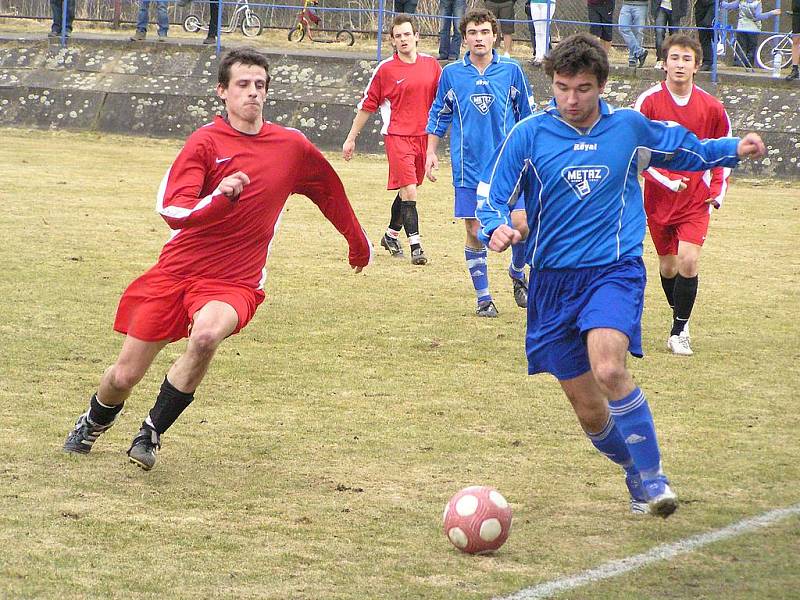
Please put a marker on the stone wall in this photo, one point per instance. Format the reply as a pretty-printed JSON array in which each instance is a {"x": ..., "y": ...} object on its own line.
[{"x": 166, "y": 90}]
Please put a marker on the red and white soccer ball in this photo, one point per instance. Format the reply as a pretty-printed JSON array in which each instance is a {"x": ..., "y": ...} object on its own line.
[{"x": 477, "y": 520}]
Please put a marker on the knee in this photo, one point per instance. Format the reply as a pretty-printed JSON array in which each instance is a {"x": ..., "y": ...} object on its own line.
[
  {"x": 688, "y": 266},
  {"x": 123, "y": 378},
  {"x": 610, "y": 375},
  {"x": 204, "y": 342}
]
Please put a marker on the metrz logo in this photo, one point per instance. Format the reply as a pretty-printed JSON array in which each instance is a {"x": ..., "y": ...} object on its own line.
[
  {"x": 584, "y": 146},
  {"x": 584, "y": 179},
  {"x": 482, "y": 102}
]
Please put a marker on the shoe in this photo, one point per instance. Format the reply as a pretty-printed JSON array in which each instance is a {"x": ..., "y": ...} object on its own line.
[
  {"x": 705, "y": 68},
  {"x": 794, "y": 75},
  {"x": 521, "y": 291},
  {"x": 639, "y": 505},
  {"x": 162, "y": 37},
  {"x": 486, "y": 309},
  {"x": 144, "y": 447},
  {"x": 53, "y": 35},
  {"x": 81, "y": 439},
  {"x": 418, "y": 257},
  {"x": 659, "y": 64},
  {"x": 392, "y": 245},
  {"x": 642, "y": 57},
  {"x": 679, "y": 344},
  {"x": 632, "y": 63},
  {"x": 440, "y": 57},
  {"x": 660, "y": 498},
  {"x": 454, "y": 57},
  {"x": 138, "y": 36},
  {"x": 210, "y": 40},
  {"x": 505, "y": 55}
]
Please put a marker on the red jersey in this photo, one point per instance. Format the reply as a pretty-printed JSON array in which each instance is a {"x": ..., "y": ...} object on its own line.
[
  {"x": 704, "y": 116},
  {"x": 219, "y": 238},
  {"x": 404, "y": 92}
]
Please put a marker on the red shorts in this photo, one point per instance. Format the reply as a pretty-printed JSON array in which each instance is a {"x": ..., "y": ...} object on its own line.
[
  {"x": 666, "y": 237},
  {"x": 406, "y": 154},
  {"x": 159, "y": 306}
]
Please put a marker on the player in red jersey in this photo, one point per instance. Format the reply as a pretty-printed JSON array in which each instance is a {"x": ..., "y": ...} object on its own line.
[
  {"x": 678, "y": 204},
  {"x": 403, "y": 88},
  {"x": 222, "y": 199}
]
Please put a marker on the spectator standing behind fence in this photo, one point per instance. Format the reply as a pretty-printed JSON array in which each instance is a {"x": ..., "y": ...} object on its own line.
[
  {"x": 632, "y": 18},
  {"x": 795, "y": 73},
  {"x": 405, "y": 6},
  {"x": 451, "y": 12},
  {"x": 601, "y": 16},
  {"x": 667, "y": 15},
  {"x": 748, "y": 27},
  {"x": 162, "y": 18},
  {"x": 504, "y": 11},
  {"x": 539, "y": 16},
  {"x": 57, "y": 7},
  {"x": 704, "y": 21}
]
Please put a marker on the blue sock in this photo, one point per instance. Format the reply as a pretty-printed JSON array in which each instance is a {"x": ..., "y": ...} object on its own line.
[
  {"x": 476, "y": 263},
  {"x": 517, "y": 267},
  {"x": 610, "y": 443},
  {"x": 635, "y": 422}
]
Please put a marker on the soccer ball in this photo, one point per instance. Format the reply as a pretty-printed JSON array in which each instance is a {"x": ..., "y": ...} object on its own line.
[{"x": 477, "y": 520}]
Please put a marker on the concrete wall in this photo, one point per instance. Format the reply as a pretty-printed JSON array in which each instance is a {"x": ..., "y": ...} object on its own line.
[{"x": 166, "y": 90}]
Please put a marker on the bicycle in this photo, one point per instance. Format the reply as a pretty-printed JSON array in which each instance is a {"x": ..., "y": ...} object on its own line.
[
  {"x": 250, "y": 21},
  {"x": 307, "y": 18},
  {"x": 780, "y": 42}
]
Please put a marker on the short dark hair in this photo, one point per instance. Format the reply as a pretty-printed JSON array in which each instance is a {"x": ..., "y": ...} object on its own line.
[
  {"x": 578, "y": 53},
  {"x": 477, "y": 16},
  {"x": 685, "y": 41},
  {"x": 403, "y": 18},
  {"x": 245, "y": 56}
]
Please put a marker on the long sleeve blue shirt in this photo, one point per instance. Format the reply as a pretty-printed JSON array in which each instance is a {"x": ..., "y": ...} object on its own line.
[
  {"x": 582, "y": 194},
  {"x": 482, "y": 107}
]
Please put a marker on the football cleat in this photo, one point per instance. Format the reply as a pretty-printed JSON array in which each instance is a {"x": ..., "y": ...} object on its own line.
[
  {"x": 660, "y": 498},
  {"x": 392, "y": 245},
  {"x": 639, "y": 505},
  {"x": 486, "y": 309},
  {"x": 81, "y": 439},
  {"x": 679, "y": 344},
  {"x": 144, "y": 448},
  {"x": 418, "y": 257},
  {"x": 520, "y": 291}
]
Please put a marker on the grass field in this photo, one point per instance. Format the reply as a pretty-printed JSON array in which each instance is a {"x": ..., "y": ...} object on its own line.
[{"x": 328, "y": 435}]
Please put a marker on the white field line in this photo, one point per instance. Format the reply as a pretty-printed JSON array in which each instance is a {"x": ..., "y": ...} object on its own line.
[{"x": 663, "y": 552}]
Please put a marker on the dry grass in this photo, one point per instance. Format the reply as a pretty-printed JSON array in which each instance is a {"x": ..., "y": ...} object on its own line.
[{"x": 330, "y": 433}]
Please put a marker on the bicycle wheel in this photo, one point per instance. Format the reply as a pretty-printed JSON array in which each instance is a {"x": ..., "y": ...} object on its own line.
[
  {"x": 192, "y": 23},
  {"x": 297, "y": 33},
  {"x": 251, "y": 25},
  {"x": 346, "y": 37},
  {"x": 773, "y": 44}
]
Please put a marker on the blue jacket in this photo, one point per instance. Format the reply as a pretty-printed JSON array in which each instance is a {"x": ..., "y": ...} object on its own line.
[
  {"x": 583, "y": 199},
  {"x": 482, "y": 108}
]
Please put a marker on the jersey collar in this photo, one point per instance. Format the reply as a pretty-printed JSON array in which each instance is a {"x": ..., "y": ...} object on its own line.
[{"x": 467, "y": 62}]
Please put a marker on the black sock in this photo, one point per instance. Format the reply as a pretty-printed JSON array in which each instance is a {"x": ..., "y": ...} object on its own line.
[
  {"x": 99, "y": 414},
  {"x": 669, "y": 289},
  {"x": 685, "y": 294},
  {"x": 411, "y": 222},
  {"x": 396, "y": 220},
  {"x": 169, "y": 405}
]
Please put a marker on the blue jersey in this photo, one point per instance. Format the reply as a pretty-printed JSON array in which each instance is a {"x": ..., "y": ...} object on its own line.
[
  {"x": 583, "y": 199},
  {"x": 482, "y": 108}
]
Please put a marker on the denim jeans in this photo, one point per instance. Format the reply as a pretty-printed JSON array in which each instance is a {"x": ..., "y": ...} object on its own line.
[
  {"x": 57, "y": 7},
  {"x": 631, "y": 20},
  {"x": 451, "y": 12},
  {"x": 161, "y": 16},
  {"x": 405, "y": 6},
  {"x": 664, "y": 17}
]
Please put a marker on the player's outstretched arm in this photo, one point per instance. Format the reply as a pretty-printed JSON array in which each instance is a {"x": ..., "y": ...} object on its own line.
[{"x": 751, "y": 146}]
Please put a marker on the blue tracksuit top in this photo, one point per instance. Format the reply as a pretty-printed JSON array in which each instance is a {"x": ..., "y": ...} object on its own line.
[
  {"x": 482, "y": 107},
  {"x": 582, "y": 194}
]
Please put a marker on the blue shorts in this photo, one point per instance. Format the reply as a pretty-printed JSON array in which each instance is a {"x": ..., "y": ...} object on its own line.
[
  {"x": 564, "y": 304},
  {"x": 466, "y": 201}
]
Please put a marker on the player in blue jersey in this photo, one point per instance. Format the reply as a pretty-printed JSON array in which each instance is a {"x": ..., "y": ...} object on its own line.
[
  {"x": 482, "y": 97},
  {"x": 577, "y": 164}
]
